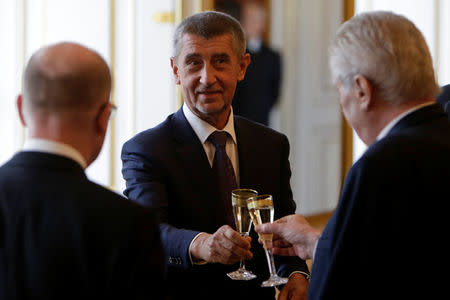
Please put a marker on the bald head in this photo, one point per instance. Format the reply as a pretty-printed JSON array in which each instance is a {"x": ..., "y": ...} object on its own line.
[
  {"x": 65, "y": 77},
  {"x": 66, "y": 89}
]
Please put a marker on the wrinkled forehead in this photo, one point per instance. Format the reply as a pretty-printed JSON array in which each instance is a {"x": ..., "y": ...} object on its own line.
[{"x": 197, "y": 45}]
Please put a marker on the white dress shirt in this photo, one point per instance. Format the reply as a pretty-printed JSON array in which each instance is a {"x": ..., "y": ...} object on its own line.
[
  {"x": 47, "y": 146},
  {"x": 203, "y": 130}
]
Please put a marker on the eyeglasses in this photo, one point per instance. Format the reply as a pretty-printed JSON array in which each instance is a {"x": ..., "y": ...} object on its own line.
[{"x": 113, "y": 111}]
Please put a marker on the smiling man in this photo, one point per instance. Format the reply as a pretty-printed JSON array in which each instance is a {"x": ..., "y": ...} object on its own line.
[{"x": 186, "y": 167}]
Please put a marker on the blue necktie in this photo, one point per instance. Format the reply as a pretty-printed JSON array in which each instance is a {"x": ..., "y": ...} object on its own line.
[{"x": 223, "y": 169}]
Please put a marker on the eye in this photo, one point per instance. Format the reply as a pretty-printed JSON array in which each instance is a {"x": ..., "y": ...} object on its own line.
[
  {"x": 221, "y": 61},
  {"x": 194, "y": 64}
]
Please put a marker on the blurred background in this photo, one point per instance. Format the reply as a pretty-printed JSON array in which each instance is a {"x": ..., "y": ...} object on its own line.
[{"x": 135, "y": 37}]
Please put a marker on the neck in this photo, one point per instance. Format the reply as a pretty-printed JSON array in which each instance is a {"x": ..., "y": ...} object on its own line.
[
  {"x": 218, "y": 120},
  {"x": 64, "y": 137},
  {"x": 384, "y": 114}
]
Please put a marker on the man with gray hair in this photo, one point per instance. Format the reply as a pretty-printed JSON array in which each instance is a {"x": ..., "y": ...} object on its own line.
[
  {"x": 187, "y": 166},
  {"x": 390, "y": 213},
  {"x": 61, "y": 235}
]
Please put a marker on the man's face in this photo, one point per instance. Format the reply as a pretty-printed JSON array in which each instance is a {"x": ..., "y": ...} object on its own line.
[{"x": 207, "y": 71}]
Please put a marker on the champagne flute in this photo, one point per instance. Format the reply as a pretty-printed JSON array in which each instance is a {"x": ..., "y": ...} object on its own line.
[
  {"x": 261, "y": 211},
  {"x": 243, "y": 222}
]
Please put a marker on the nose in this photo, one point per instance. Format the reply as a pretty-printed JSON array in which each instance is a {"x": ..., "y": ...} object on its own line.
[{"x": 208, "y": 75}]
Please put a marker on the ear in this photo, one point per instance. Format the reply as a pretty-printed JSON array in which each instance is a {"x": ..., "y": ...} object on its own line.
[
  {"x": 102, "y": 120},
  {"x": 243, "y": 64},
  {"x": 363, "y": 91},
  {"x": 174, "y": 66},
  {"x": 20, "y": 110}
]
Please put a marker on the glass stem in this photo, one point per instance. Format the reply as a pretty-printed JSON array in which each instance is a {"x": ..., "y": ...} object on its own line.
[
  {"x": 271, "y": 263},
  {"x": 242, "y": 264}
]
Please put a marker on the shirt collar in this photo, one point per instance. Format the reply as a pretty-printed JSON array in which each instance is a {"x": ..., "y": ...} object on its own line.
[
  {"x": 48, "y": 146},
  {"x": 203, "y": 129},
  {"x": 391, "y": 124}
]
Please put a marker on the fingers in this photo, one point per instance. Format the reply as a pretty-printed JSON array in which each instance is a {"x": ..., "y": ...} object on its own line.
[
  {"x": 284, "y": 251},
  {"x": 281, "y": 243},
  {"x": 234, "y": 237},
  {"x": 227, "y": 246},
  {"x": 272, "y": 227}
]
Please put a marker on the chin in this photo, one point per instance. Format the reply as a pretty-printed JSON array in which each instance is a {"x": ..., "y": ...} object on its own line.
[{"x": 212, "y": 108}]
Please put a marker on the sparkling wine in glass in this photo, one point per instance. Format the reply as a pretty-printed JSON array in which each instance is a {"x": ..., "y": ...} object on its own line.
[
  {"x": 261, "y": 211},
  {"x": 239, "y": 198}
]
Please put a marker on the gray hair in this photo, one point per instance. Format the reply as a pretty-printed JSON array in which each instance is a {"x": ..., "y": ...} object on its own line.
[
  {"x": 389, "y": 51},
  {"x": 210, "y": 24}
]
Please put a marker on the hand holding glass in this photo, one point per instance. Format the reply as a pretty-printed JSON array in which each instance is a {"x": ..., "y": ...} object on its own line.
[
  {"x": 243, "y": 222},
  {"x": 262, "y": 211}
]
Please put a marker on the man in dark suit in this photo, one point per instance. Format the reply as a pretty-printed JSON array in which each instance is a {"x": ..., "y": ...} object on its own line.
[
  {"x": 172, "y": 168},
  {"x": 61, "y": 235},
  {"x": 390, "y": 215},
  {"x": 258, "y": 92}
]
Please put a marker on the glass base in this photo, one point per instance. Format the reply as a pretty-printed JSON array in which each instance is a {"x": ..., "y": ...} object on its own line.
[
  {"x": 274, "y": 281},
  {"x": 241, "y": 274}
]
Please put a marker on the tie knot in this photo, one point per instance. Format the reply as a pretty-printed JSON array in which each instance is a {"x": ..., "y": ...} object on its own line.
[{"x": 218, "y": 138}]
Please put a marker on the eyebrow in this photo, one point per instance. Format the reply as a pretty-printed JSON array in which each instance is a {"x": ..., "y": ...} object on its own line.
[
  {"x": 214, "y": 56},
  {"x": 221, "y": 55},
  {"x": 191, "y": 56}
]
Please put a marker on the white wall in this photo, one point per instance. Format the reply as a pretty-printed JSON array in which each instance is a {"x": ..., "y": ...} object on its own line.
[
  {"x": 125, "y": 33},
  {"x": 309, "y": 110}
]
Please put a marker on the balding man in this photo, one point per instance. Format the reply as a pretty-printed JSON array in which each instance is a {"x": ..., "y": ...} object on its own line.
[{"x": 61, "y": 235}]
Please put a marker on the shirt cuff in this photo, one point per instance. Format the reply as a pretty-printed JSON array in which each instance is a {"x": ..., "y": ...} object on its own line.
[{"x": 189, "y": 252}]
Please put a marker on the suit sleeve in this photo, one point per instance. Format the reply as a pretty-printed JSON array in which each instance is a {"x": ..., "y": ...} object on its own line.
[
  {"x": 147, "y": 185},
  {"x": 287, "y": 265}
]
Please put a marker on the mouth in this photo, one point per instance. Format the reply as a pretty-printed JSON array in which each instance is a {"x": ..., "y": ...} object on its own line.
[{"x": 208, "y": 92}]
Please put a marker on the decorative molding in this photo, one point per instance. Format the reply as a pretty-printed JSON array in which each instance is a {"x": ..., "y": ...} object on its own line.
[
  {"x": 347, "y": 131},
  {"x": 22, "y": 13}
]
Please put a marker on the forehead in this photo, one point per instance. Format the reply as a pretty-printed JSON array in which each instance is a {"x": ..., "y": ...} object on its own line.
[{"x": 195, "y": 44}]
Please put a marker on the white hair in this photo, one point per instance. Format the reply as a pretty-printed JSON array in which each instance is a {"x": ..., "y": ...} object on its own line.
[{"x": 389, "y": 51}]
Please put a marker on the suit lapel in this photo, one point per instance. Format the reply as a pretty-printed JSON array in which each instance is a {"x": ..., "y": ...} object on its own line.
[
  {"x": 247, "y": 155},
  {"x": 195, "y": 165},
  {"x": 189, "y": 148}
]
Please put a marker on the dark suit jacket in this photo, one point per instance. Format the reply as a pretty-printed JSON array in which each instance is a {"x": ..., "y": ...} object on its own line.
[
  {"x": 166, "y": 168},
  {"x": 64, "y": 237},
  {"x": 258, "y": 92},
  {"x": 384, "y": 239}
]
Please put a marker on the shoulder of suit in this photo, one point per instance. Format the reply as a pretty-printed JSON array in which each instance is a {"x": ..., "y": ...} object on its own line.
[
  {"x": 152, "y": 135},
  {"x": 108, "y": 198},
  {"x": 406, "y": 146},
  {"x": 257, "y": 128}
]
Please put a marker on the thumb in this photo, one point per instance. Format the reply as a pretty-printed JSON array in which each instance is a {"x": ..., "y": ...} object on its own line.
[{"x": 265, "y": 228}]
